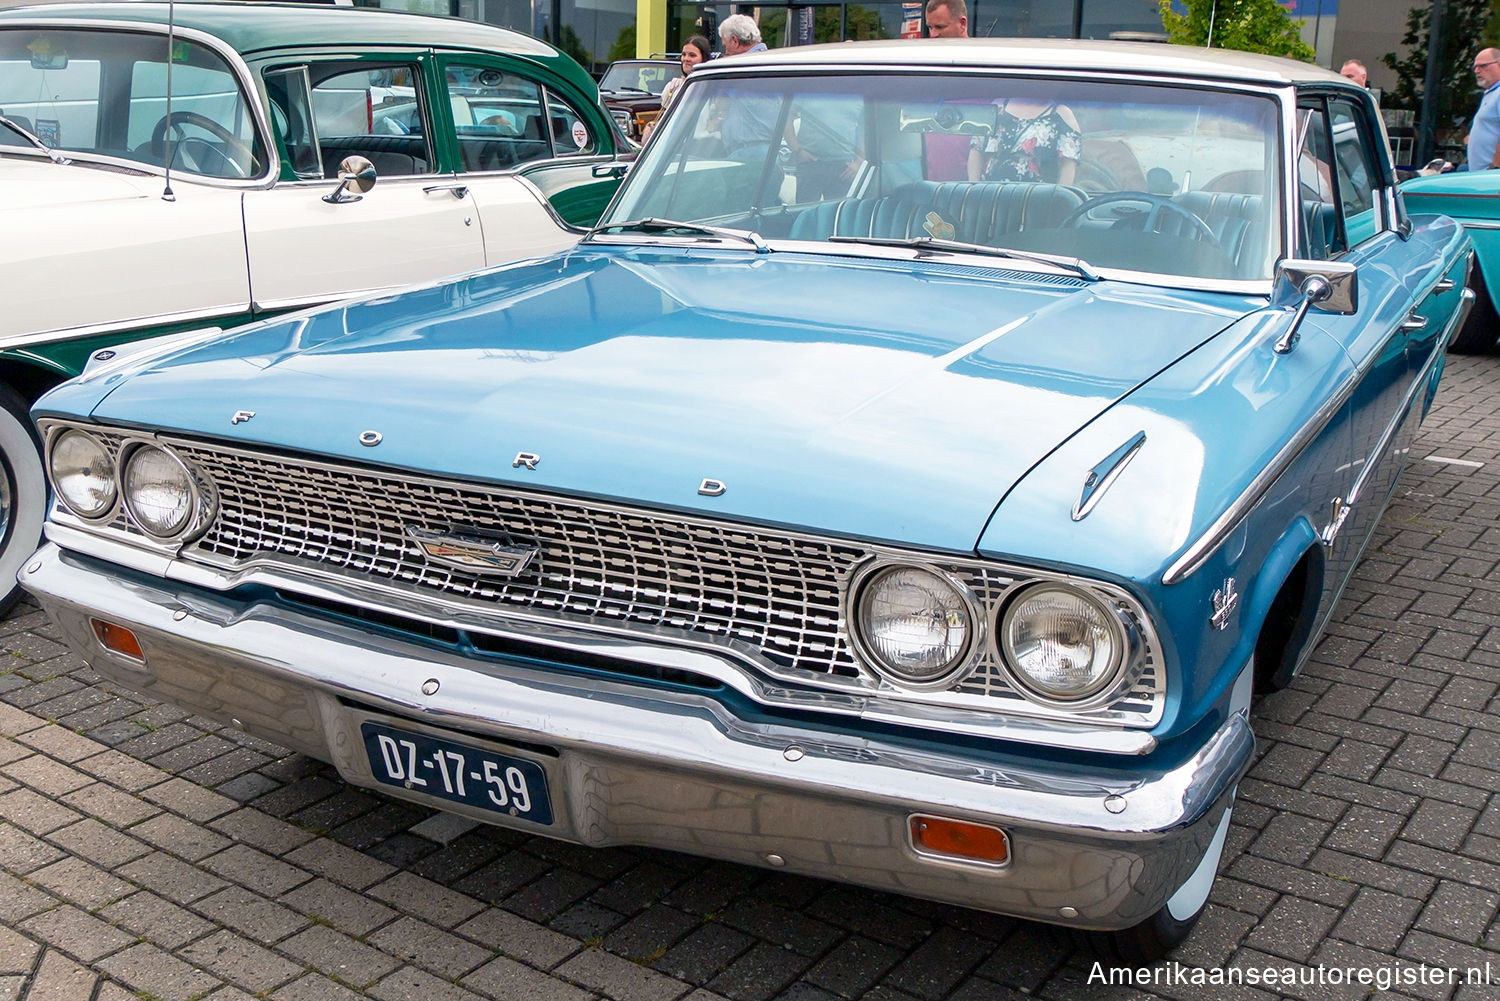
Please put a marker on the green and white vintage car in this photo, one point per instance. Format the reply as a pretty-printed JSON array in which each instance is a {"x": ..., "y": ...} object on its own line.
[{"x": 301, "y": 154}]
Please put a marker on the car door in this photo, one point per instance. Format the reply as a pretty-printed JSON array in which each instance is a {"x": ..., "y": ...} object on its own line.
[
  {"x": 307, "y": 244},
  {"x": 126, "y": 249},
  {"x": 527, "y": 151},
  {"x": 1344, "y": 216}
]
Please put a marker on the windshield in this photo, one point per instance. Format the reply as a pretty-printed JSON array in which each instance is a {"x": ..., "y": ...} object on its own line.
[
  {"x": 648, "y": 78},
  {"x": 1179, "y": 181}
]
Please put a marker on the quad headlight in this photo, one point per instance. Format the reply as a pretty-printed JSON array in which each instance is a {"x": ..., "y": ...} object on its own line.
[
  {"x": 915, "y": 627},
  {"x": 159, "y": 491},
  {"x": 1063, "y": 645},
  {"x": 83, "y": 474}
]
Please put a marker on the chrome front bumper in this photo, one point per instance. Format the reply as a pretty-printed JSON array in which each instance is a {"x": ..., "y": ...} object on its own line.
[{"x": 638, "y": 765}]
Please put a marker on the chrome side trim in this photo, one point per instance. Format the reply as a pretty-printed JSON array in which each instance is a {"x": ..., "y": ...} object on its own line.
[
  {"x": 1198, "y": 553},
  {"x": 122, "y": 327},
  {"x": 1103, "y": 475},
  {"x": 1480, "y": 224}
]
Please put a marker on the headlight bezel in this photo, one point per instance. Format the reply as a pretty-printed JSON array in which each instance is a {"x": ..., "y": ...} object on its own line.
[
  {"x": 1127, "y": 665},
  {"x": 200, "y": 494},
  {"x": 103, "y": 514},
  {"x": 963, "y": 664}
]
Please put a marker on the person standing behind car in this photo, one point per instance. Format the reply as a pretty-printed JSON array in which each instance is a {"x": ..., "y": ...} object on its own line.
[
  {"x": 695, "y": 51},
  {"x": 947, "y": 19},
  {"x": 1484, "y": 131},
  {"x": 747, "y": 122}
]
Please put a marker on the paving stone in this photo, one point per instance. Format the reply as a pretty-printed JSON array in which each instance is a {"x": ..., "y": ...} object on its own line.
[
  {"x": 620, "y": 979},
  {"x": 255, "y": 870},
  {"x": 41, "y": 773},
  {"x": 17, "y": 952},
  {"x": 339, "y": 864},
  {"x": 170, "y": 877},
  {"x": 191, "y": 801},
  {"x": 333, "y": 953},
  {"x": 122, "y": 770},
  {"x": 505, "y": 978},
  {"x": 101, "y": 801},
  {"x": 256, "y": 916},
  {"x": 761, "y": 973},
  {"x": 18, "y": 900},
  {"x": 411, "y": 984},
  {"x": 650, "y": 933},
  {"x": 853, "y": 966},
  {"x": 426, "y": 899},
  {"x": 31, "y": 811},
  {"x": 240, "y": 962},
  {"x": 58, "y": 978},
  {"x": 1459, "y": 912},
  {"x": 20, "y": 853},
  {"x": 314, "y": 987},
  {"x": 158, "y": 921},
  {"x": 261, "y": 830},
  {"x": 417, "y": 942},
  {"x": 1365, "y": 831},
  {"x": 80, "y": 935},
  {"x": 1440, "y": 825},
  {"x": 343, "y": 909},
  {"x": 519, "y": 938},
  {"x": 181, "y": 837},
  {"x": 77, "y": 881},
  {"x": 1377, "y": 920}
]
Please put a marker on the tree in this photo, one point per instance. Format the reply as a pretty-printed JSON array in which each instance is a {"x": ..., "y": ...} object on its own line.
[
  {"x": 624, "y": 46},
  {"x": 1247, "y": 25},
  {"x": 1466, "y": 27}
]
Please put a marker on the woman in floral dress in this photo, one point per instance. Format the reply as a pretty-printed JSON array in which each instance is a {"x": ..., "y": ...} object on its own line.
[{"x": 1032, "y": 141}]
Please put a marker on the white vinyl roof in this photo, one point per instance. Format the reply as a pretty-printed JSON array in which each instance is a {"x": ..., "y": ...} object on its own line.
[{"x": 1084, "y": 55}]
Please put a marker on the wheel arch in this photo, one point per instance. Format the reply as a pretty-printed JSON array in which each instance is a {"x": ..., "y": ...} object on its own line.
[{"x": 1285, "y": 604}]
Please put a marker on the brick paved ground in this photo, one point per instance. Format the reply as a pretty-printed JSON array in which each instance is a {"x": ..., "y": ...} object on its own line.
[{"x": 148, "y": 854}]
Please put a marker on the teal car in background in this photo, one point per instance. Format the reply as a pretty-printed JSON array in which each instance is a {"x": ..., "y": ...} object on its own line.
[
  {"x": 315, "y": 153},
  {"x": 1472, "y": 198}
]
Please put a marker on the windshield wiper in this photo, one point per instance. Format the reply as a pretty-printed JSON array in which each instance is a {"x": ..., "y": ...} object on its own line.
[
  {"x": 1077, "y": 265},
  {"x": 52, "y": 154},
  {"x": 653, "y": 224}
]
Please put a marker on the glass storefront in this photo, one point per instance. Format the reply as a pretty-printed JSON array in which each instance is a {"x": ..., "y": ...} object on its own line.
[{"x": 596, "y": 32}]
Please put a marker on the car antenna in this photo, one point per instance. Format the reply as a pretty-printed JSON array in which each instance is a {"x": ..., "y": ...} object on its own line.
[
  {"x": 166, "y": 193},
  {"x": 1213, "y": 10}
]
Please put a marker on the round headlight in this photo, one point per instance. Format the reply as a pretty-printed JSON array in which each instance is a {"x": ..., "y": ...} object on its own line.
[
  {"x": 1062, "y": 643},
  {"x": 158, "y": 491},
  {"x": 83, "y": 474},
  {"x": 914, "y": 625}
]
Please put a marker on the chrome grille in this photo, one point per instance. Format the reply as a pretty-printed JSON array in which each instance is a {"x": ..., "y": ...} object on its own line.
[{"x": 775, "y": 594}]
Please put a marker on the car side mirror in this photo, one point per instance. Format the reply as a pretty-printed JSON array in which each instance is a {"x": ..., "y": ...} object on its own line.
[
  {"x": 354, "y": 172},
  {"x": 613, "y": 169},
  {"x": 1328, "y": 286}
]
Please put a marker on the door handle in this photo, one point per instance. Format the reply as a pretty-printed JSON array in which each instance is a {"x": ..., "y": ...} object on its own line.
[
  {"x": 1414, "y": 322},
  {"x": 457, "y": 190},
  {"x": 1446, "y": 285}
]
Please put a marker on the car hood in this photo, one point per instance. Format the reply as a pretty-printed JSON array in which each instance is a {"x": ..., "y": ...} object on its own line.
[
  {"x": 30, "y": 183},
  {"x": 877, "y": 399}
]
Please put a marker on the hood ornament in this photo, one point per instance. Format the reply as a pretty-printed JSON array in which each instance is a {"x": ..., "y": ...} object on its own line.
[{"x": 488, "y": 556}]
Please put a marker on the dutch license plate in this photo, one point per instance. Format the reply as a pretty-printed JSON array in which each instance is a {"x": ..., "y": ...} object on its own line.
[{"x": 458, "y": 773}]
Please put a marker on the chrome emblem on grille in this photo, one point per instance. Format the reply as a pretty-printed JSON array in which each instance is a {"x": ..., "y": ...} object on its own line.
[
  {"x": 488, "y": 556},
  {"x": 241, "y": 416}
]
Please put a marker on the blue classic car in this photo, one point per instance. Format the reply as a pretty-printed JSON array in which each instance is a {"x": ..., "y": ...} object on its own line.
[
  {"x": 1472, "y": 198},
  {"x": 908, "y": 482}
]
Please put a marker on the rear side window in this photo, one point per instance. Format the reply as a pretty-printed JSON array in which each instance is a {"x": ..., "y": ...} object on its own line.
[
  {"x": 504, "y": 120},
  {"x": 106, "y": 92},
  {"x": 373, "y": 110}
]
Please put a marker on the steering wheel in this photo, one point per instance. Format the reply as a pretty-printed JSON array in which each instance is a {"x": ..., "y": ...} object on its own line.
[
  {"x": 1157, "y": 205},
  {"x": 179, "y": 120}
]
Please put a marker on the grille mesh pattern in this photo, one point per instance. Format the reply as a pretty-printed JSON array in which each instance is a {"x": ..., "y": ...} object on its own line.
[{"x": 775, "y": 593}]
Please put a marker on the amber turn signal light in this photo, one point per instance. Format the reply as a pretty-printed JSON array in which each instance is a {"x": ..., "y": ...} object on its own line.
[
  {"x": 117, "y": 639},
  {"x": 959, "y": 839}
]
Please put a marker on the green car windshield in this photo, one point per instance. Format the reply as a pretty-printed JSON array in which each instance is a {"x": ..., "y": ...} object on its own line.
[{"x": 1180, "y": 181}]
